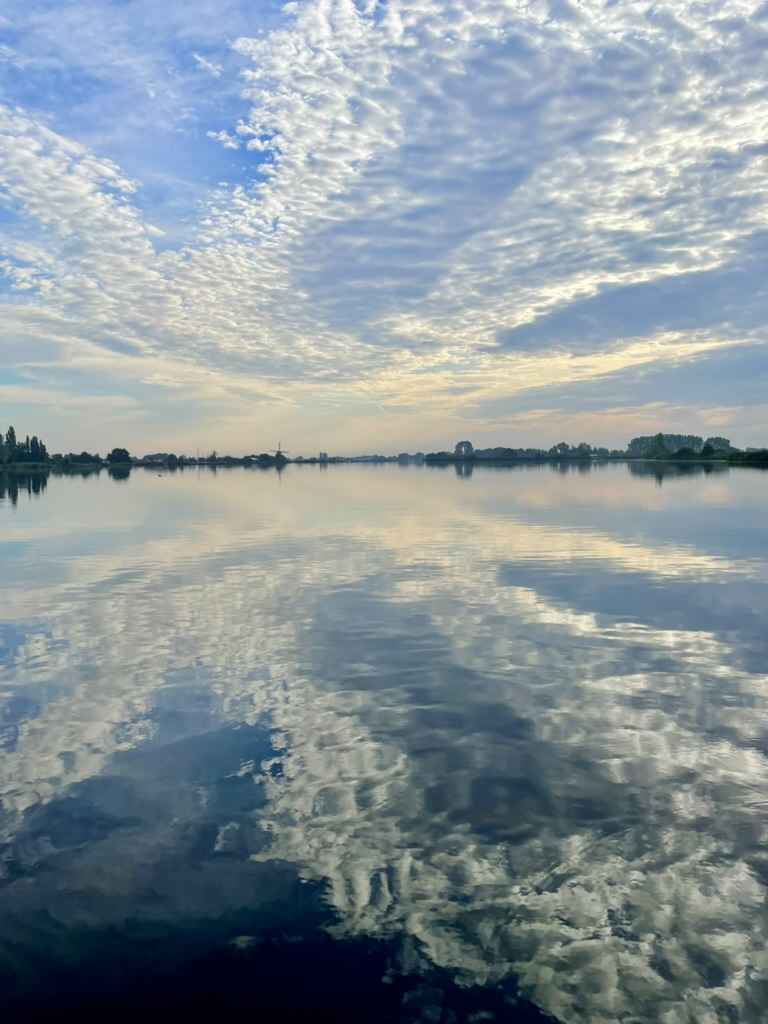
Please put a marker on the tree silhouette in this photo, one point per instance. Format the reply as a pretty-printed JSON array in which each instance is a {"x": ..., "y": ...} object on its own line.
[
  {"x": 119, "y": 455},
  {"x": 31, "y": 449}
]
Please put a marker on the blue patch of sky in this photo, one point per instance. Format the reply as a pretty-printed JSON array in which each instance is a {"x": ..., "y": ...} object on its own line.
[
  {"x": 379, "y": 11},
  {"x": 154, "y": 125},
  {"x": 9, "y": 376},
  {"x": 9, "y": 213},
  {"x": 12, "y": 295},
  {"x": 48, "y": 87}
]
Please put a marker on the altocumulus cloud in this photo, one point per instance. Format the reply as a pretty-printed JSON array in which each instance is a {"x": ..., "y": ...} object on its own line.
[{"x": 421, "y": 210}]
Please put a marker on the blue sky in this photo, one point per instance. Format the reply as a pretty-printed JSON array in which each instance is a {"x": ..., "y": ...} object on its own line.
[{"x": 382, "y": 224}]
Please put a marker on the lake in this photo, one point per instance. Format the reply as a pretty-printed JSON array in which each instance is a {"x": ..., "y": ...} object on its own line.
[{"x": 387, "y": 743}]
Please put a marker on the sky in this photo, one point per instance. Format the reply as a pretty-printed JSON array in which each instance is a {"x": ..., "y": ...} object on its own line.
[{"x": 382, "y": 225}]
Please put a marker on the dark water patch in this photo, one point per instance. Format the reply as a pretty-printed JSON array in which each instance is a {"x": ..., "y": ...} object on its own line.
[{"x": 295, "y": 974}]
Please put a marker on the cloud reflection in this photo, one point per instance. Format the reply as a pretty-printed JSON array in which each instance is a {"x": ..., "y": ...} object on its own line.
[{"x": 534, "y": 747}]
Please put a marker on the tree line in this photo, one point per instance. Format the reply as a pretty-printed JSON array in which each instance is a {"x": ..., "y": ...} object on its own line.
[{"x": 33, "y": 450}]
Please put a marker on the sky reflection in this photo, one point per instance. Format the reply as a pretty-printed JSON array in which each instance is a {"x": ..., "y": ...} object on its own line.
[{"x": 520, "y": 719}]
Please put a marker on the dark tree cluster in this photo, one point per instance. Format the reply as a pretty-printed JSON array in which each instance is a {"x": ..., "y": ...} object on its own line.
[
  {"x": 12, "y": 450},
  {"x": 74, "y": 459},
  {"x": 119, "y": 455}
]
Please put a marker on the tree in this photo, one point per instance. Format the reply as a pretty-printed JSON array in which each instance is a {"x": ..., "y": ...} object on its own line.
[
  {"x": 560, "y": 449},
  {"x": 34, "y": 449},
  {"x": 84, "y": 458},
  {"x": 119, "y": 455},
  {"x": 10, "y": 441},
  {"x": 658, "y": 449}
]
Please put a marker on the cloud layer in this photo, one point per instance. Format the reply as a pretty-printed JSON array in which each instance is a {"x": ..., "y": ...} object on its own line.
[{"x": 399, "y": 219}]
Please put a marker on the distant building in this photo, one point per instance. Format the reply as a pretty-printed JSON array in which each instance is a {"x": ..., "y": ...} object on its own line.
[{"x": 323, "y": 457}]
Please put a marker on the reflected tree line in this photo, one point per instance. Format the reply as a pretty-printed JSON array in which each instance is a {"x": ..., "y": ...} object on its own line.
[
  {"x": 17, "y": 480},
  {"x": 13, "y": 484},
  {"x": 656, "y": 470},
  {"x": 34, "y": 481}
]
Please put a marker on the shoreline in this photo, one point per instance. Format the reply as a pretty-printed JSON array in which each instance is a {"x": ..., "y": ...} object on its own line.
[{"x": 757, "y": 459}]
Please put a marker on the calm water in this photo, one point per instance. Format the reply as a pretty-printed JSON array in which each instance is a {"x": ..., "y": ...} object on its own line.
[{"x": 401, "y": 744}]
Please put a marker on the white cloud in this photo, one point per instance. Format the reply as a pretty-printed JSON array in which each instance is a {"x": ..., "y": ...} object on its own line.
[
  {"x": 7, "y": 53},
  {"x": 425, "y": 179},
  {"x": 228, "y": 141},
  {"x": 209, "y": 66}
]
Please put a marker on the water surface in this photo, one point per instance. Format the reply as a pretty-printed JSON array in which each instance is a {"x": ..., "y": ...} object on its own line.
[{"x": 395, "y": 743}]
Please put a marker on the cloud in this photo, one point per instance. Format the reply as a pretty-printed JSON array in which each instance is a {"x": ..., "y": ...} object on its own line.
[
  {"x": 426, "y": 199},
  {"x": 663, "y": 395},
  {"x": 7, "y": 54},
  {"x": 209, "y": 66},
  {"x": 228, "y": 141},
  {"x": 732, "y": 298}
]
